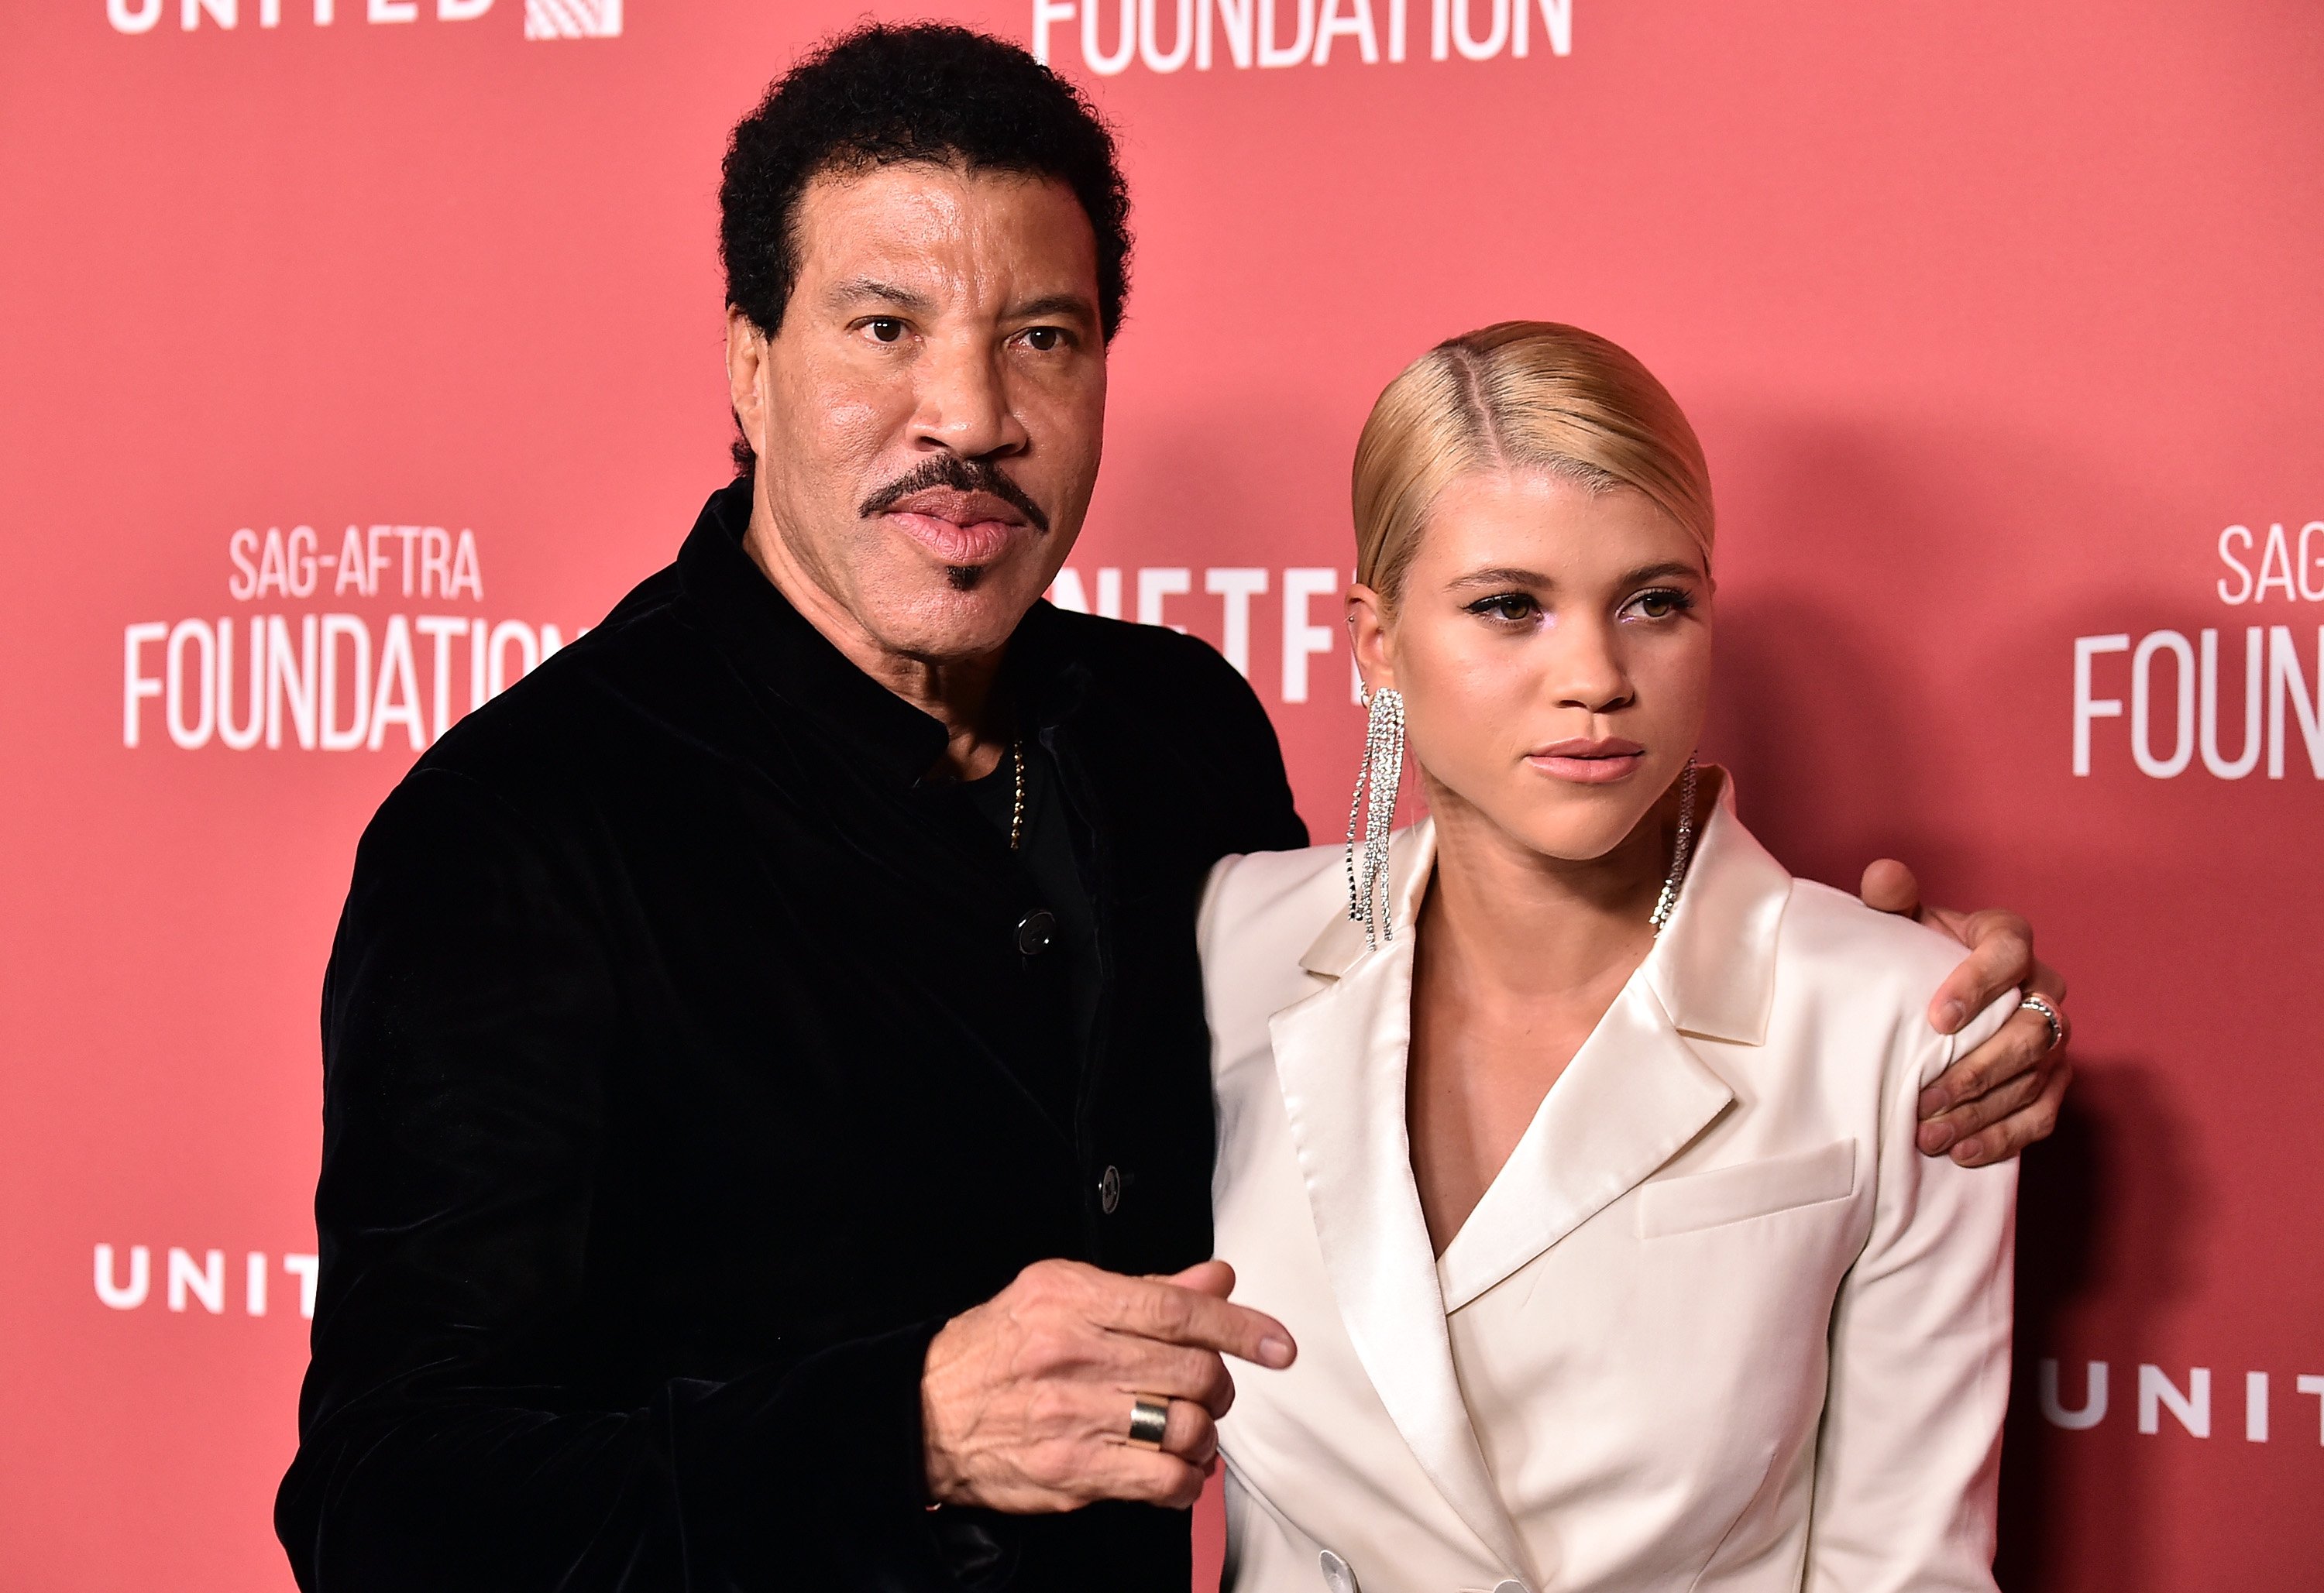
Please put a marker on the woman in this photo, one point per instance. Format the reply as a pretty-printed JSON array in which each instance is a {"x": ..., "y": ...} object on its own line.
[{"x": 1570, "y": 1136}]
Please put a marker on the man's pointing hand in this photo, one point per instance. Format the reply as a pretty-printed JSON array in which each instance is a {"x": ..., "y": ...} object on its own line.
[{"x": 1026, "y": 1400}]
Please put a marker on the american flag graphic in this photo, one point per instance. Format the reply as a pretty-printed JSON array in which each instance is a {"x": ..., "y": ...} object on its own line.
[{"x": 572, "y": 19}]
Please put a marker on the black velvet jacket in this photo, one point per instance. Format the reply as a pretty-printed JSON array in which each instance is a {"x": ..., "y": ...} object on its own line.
[{"x": 676, "y": 1045}]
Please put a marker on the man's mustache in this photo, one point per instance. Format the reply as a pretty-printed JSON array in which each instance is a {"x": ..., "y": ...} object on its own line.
[{"x": 961, "y": 476}]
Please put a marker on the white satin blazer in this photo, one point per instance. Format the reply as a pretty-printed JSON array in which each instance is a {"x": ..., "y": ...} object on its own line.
[{"x": 1716, "y": 1325}]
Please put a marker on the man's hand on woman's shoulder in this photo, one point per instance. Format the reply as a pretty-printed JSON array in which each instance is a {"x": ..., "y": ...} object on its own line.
[{"x": 2003, "y": 1096}]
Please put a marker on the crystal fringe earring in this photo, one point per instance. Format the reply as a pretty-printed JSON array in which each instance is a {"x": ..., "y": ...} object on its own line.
[
  {"x": 1382, "y": 771},
  {"x": 1682, "y": 850}
]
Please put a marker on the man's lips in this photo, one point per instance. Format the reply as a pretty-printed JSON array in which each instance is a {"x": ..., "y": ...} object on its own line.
[
  {"x": 958, "y": 528},
  {"x": 1589, "y": 762}
]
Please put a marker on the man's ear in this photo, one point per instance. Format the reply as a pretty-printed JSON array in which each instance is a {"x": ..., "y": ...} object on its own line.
[
  {"x": 746, "y": 367},
  {"x": 1368, "y": 633}
]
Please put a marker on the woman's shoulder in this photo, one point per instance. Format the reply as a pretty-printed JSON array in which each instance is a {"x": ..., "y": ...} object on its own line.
[
  {"x": 1831, "y": 930},
  {"x": 1850, "y": 962},
  {"x": 1258, "y": 901},
  {"x": 1261, "y": 914}
]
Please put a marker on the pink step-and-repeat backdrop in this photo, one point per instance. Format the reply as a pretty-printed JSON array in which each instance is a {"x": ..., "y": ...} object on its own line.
[{"x": 358, "y": 354}]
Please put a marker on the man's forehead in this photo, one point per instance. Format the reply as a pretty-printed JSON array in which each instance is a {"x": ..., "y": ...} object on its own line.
[{"x": 924, "y": 221}]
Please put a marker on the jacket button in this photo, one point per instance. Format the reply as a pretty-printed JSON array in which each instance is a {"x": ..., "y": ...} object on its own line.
[
  {"x": 1339, "y": 1577},
  {"x": 1038, "y": 933},
  {"x": 1109, "y": 1191}
]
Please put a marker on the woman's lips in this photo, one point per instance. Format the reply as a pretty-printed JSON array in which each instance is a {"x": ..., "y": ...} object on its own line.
[{"x": 1590, "y": 764}]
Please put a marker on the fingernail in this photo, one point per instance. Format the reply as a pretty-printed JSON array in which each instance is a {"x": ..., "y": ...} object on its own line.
[
  {"x": 1967, "y": 1153},
  {"x": 1275, "y": 1352},
  {"x": 1951, "y": 1017},
  {"x": 1935, "y": 1136},
  {"x": 1935, "y": 1100}
]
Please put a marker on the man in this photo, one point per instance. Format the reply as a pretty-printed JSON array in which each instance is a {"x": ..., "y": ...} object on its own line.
[{"x": 767, "y": 1121}]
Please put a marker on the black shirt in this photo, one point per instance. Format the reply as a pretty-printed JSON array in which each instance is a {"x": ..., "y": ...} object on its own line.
[
  {"x": 1066, "y": 923},
  {"x": 684, "y": 1069}
]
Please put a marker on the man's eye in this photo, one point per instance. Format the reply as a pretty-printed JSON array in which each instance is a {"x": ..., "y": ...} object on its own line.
[
  {"x": 885, "y": 329},
  {"x": 1043, "y": 339},
  {"x": 1511, "y": 608}
]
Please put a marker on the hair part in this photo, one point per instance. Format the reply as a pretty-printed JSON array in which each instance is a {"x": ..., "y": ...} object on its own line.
[
  {"x": 882, "y": 95},
  {"x": 1519, "y": 396}
]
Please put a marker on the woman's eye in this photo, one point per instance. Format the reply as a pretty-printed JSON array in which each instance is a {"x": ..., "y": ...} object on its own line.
[
  {"x": 885, "y": 329},
  {"x": 1511, "y": 608},
  {"x": 1660, "y": 604}
]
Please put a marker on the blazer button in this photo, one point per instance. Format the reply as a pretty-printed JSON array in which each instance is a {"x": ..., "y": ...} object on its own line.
[
  {"x": 1337, "y": 1575},
  {"x": 1109, "y": 1191},
  {"x": 1038, "y": 933}
]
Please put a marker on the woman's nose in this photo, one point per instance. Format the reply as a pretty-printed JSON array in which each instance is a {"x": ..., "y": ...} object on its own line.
[{"x": 1587, "y": 670}]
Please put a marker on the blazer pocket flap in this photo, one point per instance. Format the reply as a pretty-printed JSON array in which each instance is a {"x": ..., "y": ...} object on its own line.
[{"x": 1755, "y": 1189}]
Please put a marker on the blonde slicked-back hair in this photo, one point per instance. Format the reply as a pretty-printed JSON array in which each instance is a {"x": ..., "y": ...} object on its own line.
[{"x": 1520, "y": 395}]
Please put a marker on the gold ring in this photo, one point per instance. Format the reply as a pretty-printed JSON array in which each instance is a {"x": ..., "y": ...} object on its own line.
[
  {"x": 2049, "y": 1015},
  {"x": 1149, "y": 1419}
]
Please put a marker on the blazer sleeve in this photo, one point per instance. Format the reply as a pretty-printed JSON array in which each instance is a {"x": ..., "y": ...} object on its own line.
[
  {"x": 451, "y": 1435},
  {"x": 1908, "y": 1460}
]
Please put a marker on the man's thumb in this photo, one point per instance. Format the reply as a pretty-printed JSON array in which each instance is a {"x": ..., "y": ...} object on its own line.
[{"x": 1214, "y": 1278}]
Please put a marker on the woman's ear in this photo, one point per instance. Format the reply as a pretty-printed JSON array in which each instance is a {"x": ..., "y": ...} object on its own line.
[{"x": 1368, "y": 633}]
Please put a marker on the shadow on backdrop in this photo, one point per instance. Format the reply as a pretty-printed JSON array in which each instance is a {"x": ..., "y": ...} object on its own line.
[
  {"x": 1838, "y": 746},
  {"x": 2111, "y": 1197}
]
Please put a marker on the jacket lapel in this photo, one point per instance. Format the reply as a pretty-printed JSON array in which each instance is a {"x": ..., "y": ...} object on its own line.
[
  {"x": 1637, "y": 1092},
  {"x": 1634, "y": 1096},
  {"x": 1340, "y": 1058},
  {"x": 1714, "y": 967},
  {"x": 1630, "y": 1098}
]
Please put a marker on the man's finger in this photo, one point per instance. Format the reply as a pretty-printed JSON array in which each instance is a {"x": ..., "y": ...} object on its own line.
[
  {"x": 1213, "y": 1277},
  {"x": 2000, "y": 958},
  {"x": 1153, "y": 1366},
  {"x": 1152, "y": 1477},
  {"x": 1175, "y": 1315},
  {"x": 2014, "y": 1133},
  {"x": 1188, "y": 1432},
  {"x": 2049, "y": 984},
  {"x": 1889, "y": 886},
  {"x": 2018, "y": 1046},
  {"x": 1191, "y": 1434},
  {"x": 2003, "y": 1100}
]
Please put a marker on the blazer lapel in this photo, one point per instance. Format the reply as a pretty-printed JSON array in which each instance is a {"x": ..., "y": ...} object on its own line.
[
  {"x": 1637, "y": 1092},
  {"x": 1340, "y": 1058},
  {"x": 1714, "y": 967},
  {"x": 1632, "y": 1097}
]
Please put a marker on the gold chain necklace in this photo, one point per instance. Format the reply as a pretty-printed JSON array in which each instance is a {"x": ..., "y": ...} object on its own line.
[{"x": 1017, "y": 811}]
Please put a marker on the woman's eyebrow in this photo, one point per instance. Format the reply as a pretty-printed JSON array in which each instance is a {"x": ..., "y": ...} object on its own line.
[
  {"x": 1503, "y": 576},
  {"x": 1658, "y": 572},
  {"x": 1515, "y": 576}
]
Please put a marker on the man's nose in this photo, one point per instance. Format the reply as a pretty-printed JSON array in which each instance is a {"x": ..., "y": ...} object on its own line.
[{"x": 964, "y": 403}]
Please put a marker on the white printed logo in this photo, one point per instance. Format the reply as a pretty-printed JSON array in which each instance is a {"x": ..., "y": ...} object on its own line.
[
  {"x": 572, "y": 19},
  {"x": 142, "y": 16},
  {"x": 2158, "y": 1392},
  {"x": 1241, "y": 33},
  {"x": 313, "y": 673},
  {"x": 2190, "y": 707}
]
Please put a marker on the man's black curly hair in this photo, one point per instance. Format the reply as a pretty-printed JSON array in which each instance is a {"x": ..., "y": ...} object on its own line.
[{"x": 883, "y": 94}]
